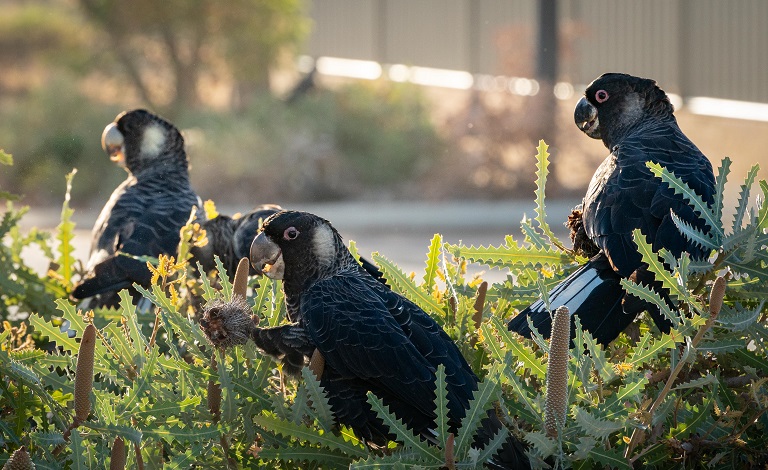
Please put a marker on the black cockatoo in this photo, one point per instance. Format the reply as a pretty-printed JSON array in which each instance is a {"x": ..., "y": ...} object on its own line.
[
  {"x": 230, "y": 238},
  {"x": 635, "y": 120},
  {"x": 371, "y": 338},
  {"x": 145, "y": 213}
]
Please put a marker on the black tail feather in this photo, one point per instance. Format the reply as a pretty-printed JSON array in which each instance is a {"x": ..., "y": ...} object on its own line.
[
  {"x": 511, "y": 455},
  {"x": 593, "y": 293}
]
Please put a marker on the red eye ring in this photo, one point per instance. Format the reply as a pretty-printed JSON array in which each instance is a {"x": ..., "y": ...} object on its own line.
[
  {"x": 290, "y": 233},
  {"x": 601, "y": 96}
]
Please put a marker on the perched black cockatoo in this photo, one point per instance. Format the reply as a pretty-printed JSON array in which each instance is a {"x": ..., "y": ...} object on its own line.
[
  {"x": 635, "y": 120},
  {"x": 145, "y": 213},
  {"x": 371, "y": 338},
  {"x": 230, "y": 238}
]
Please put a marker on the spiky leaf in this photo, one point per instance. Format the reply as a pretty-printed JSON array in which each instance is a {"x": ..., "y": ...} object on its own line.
[
  {"x": 693, "y": 199},
  {"x": 433, "y": 262}
]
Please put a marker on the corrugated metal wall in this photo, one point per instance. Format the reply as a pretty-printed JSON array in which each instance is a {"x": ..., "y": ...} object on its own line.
[{"x": 711, "y": 48}]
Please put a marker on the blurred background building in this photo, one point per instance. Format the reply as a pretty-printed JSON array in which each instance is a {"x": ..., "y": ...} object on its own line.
[{"x": 291, "y": 100}]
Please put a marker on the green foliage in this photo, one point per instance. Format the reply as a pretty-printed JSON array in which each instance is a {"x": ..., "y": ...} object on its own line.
[{"x": 692, "y": 397}]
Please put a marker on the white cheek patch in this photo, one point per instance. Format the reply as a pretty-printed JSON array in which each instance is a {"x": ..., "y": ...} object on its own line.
[
  {"x": 634, "y": 109},
  {"x": 324, "y": 245},
  {"x": 153, "y": 141}
]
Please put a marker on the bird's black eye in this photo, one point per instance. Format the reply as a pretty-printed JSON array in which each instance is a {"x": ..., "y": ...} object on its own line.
[
  {"x": 601, "y": 96},
  {"x": 290, "y": 233}
]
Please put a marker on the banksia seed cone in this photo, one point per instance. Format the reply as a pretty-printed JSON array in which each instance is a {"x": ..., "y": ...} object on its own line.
[
  {"x": 84, "y": 373},
  {"x": 19, "y": 460},
  {"x": 228, "y": 324},
  {"x": 716, "y": 297},
  {"x": 241, "y": 278},
  {"x": 117, "y": 457},
  {"x": 556, "y": 401}
]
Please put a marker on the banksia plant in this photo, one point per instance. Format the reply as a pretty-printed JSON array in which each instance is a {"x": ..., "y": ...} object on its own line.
[
  {"x": 556, "y": 401},
  {"x": 19, "y": 460},
  {"x": 117, "y": 456},
  {"x": 84, "y": 375}
]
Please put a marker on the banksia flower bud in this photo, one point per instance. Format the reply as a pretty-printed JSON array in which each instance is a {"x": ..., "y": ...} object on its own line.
[
  {"x": 214, "y": 393},
  {"x": 716, "y": 296},
  {"x": 19, "y": 460},
  {"x": 117, "y": 457},
  {"x": 241, "y": 278},
  {"x": 84, "y": 374},
  {"x": 317, "y": 363},
  {"x": 556, "y": 401}
]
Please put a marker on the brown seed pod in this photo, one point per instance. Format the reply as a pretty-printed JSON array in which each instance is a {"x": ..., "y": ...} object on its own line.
[
  {"x": 84, "y": 374},
  {"x": 19, "y": 460},
  {"x": 228, "y": 324},
  {"x": 317, "y": 363},
  {"x": 241, "y": 278},
  {"x": 118, "y": 456},
  {"x": 716, "y": 296},
  {"x": 214, "y": 393},
  {"x": 556, "y": 400}
]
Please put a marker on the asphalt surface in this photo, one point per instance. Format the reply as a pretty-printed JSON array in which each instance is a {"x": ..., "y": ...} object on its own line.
[{"x": 400, "y": 231}]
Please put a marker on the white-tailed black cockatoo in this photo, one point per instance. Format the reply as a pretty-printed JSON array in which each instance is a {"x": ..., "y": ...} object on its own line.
[
  {"x": 145, "y": 213},
  {"x": 635, "y": 120},
  {"x": 371, "y": 338}
]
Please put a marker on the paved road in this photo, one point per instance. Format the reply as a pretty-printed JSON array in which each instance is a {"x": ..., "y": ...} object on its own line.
[{"x": 401, "y": 231}]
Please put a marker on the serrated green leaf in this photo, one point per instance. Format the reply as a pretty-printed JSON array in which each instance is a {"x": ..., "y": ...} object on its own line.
[
  {"x": 542, "y": 170},
  {"x": 632, "y": 388},
  {"x": 182, "y": 435},
  {"x": 405, "y": 286},
  {"x": 693, "y": 199},
  {"x": 752, "y": 359},
  {"x": 531, "y": 235},
  {"x": 302, "y": 454},
  {"x": 490, "y": 449},
  {"x": 708, "y": 379},
  {"x": 693, "y": 234},
  {"x": 209, "y": 293},
  {"x": 661, "y": 273},
  {"x": 597, "y": 355},
  {"x": 487, "y": 391},
  {"x": 519, "y": 350},
  {"x": 593, "y": 426},
  {"x": 611, "y": 458},
  {"x": 739, "y": 320},
  {"x": 441, "y": 408},
  {"x": 649, "y": 295},
  {"x": 78, "y": 457},
  {"x": 720, "y": 346},
  {"x": 224, "y": 278},
  {"x": 741, "y": 208},
  {"x": 396, "y": 426},
  {"x": 229, "y": 408},
  {"x": 303, "y": 433},
  {"x": 47, "y": 438},
  {"x": 131, "y": 434},
  {"x": 65, "y": 235},
  {"x": 319, "y": 399},
  {"x": 543, "y": 444},
  {"x": 720, "y": 180},
  {"x": 700, "y": 414},
  {"x": 510, "y": 255},
  {"x": 433, "y": 262}
]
